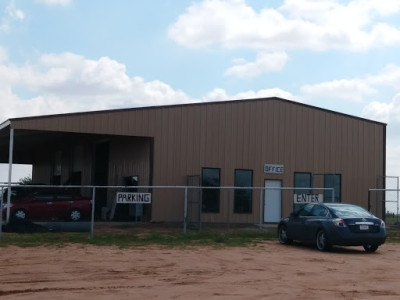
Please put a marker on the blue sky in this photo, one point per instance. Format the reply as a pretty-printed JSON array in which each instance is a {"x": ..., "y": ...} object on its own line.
[{"x": 59, "y": 56}]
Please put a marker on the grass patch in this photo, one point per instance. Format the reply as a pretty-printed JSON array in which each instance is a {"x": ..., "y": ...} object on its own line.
[
  {"x": 137, "y": 237},
  {"x": 128, "y": 237},
  {"x": 393, "y": 235},
  {"x": 392, "y": 220}
]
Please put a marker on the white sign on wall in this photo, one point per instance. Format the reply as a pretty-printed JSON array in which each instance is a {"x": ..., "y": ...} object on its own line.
[
  {"x": 273, "y": 169},
  {"x": 308, "y": 198},
  {"x": 143, "y": 198}
]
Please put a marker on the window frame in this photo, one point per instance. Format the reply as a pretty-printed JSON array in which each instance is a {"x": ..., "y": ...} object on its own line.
[{"x": 243, "y": 198}]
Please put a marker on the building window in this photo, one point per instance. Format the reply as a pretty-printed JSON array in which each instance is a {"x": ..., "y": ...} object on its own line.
[
  {"x": 210, "y": 177},
  {"x": 243, "y": 197},
  {"x": 332, "y": 181},
  {"x": 302, "y": 180}
]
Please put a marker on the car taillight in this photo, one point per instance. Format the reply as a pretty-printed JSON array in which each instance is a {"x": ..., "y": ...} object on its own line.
[{"x": 339, "y": 223}]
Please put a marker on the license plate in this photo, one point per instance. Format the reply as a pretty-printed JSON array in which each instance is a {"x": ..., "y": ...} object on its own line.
[{"x": 364, "y": 227}]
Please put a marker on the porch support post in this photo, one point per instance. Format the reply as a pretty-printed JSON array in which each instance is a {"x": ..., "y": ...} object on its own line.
[{"x": 10, "y": 163}]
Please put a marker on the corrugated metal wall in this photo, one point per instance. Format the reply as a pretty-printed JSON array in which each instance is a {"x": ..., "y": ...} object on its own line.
[{"x": 238, "y": 135}]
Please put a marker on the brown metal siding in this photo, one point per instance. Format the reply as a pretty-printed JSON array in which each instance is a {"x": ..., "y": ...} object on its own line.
[
  {"x": 241, "y": 135},
  {"x": 303, "y": 139},
  {"x": 129, "y": 157}
]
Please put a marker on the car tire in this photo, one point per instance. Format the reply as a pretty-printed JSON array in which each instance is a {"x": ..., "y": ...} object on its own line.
[
  {"x": 370, "y": 248},
  {"x": 282, "y": 235},
  {"x": 20, "y": 214},
  {"x": 321, "y": 241},
  {"x": 75, "y": 215}
]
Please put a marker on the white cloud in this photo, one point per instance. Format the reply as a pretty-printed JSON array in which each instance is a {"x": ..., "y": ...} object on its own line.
[
  {"x": 11, "y": 15},
  {"x": 352, "y": 14},
  {"x": 265, "y": 62},
  {"x": 358, "y": 89},
  {"x": 274, "y": 92},
  {"x": 216, "y": 94},
  {"x": 3, "y": 55},
  {"x": 221, "y": 95},
  {"x": 61, "y": 83},
  {"x": 383, "y": 111},
  {"x": 297, "y": 24},
  {"x": 388, "y": 76},
  {"x": 69, "y": 73},
  {"x": 70, "y": 83},
  {"x": 345, "y": 89},
  {"x": 388, "y": 113},
  {"x": 55, "y": 2},
  {"x": 14, "y": 12}
]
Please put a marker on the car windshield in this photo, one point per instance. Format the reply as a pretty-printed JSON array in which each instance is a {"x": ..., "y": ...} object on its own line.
[{"x": 350, "y": 211}]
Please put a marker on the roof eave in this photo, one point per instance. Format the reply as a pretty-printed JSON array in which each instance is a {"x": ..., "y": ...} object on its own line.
[{"x": 5, "y": 124}]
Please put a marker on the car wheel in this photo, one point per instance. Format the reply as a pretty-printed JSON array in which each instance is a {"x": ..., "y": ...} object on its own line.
[
  {"x": 282, "y": 234},
  {"x": 20, "y": 213},
  {"x": 75, "y": 215},
  {"x": 370, "y": 248},
  {"x": 321, "y": 241}
]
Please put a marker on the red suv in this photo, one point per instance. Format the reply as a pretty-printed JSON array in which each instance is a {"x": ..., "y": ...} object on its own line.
[{"x": 47, "y": 203}]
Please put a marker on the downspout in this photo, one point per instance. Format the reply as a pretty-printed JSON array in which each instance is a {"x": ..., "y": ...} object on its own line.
[{"x": 10, "y": 162}]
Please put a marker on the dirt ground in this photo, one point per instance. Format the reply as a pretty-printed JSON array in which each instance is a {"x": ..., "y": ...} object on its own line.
[{"x": 266, "y": 271}]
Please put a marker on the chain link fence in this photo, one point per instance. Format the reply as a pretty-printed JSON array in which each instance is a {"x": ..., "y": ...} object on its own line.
[
  {"x": 82, "y": 208},
  {"x": 385, "y": 204}
]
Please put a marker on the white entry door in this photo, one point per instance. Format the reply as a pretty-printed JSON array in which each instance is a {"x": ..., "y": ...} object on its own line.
[{"x": 273, "y": 201}]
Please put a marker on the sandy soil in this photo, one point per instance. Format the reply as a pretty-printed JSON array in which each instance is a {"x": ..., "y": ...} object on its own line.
[{"x": 266, "y": 271}]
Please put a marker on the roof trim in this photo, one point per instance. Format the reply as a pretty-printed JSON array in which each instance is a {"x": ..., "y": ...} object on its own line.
[
  {"x": 5, "y": 124},
  {"x": 192, "y": 104}
]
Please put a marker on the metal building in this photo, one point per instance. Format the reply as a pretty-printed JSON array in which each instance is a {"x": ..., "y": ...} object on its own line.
[{"x": 251, "y": 143}]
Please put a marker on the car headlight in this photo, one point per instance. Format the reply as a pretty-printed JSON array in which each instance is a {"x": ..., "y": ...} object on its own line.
[{"x": 383, "y": 225}]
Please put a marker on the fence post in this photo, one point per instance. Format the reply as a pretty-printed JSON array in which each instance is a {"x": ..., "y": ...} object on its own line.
[
  {"x": 397, "y": 212},
  {"x": 92, "y": 217},
  {"x": 185, "y": 210},
  {"x": 261, "y": 209},
  {"x": 10, "y": 165},
  {"x": 1, "y": 213},
  {"x": 201, "y": 210},
  {"x": 369, "y": 200},
  {"x": 228, "y": 208}
]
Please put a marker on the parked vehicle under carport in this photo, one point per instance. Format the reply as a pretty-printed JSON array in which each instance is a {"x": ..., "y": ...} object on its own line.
[{"x": 47, "y": 203}]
